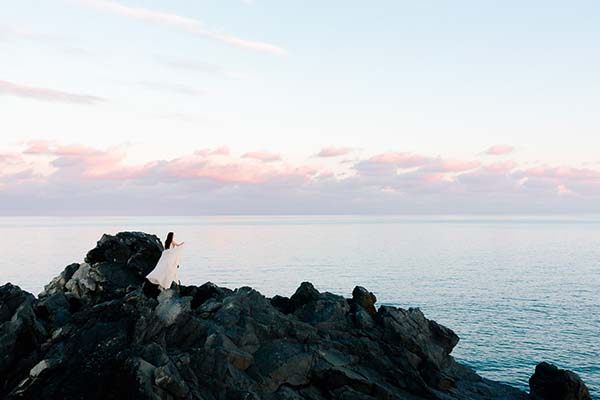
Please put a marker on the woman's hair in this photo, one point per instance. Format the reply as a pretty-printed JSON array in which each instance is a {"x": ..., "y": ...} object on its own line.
[{"x": 168, "y": 240}]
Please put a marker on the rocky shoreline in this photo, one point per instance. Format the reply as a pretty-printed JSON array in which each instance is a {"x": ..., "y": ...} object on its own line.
[{"x": 94, "y": 334}]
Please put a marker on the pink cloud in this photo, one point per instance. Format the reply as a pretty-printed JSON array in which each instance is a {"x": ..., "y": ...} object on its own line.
[
  {"x": 454, "y": 165},
  {"x": 219, "y": 151},
  {"x": 75, "y": 160},
  {"x": 214, "y": 180},
  {"x": 262, "y": 155},
  {"x": 500, "y": 150},
  {"x": 44, "y": 94},
  {"x": 334, "y": 151},
  {"x": 501, "y": 167},
  {"x": 9, "y": 162},
  {"x": 563, "y": 172},
  {"x": 225, "y": 173},
  {"x": 37, "y": 147},
  {"x": 181, "y": 22},
  {"x": 234, "y": 170},
  {"x": 404, "y": 160},
  {"x": 44, "y": 147}
]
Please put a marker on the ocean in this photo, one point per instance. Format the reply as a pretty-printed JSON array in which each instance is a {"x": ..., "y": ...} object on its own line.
[{"x": 517, "y": 290}]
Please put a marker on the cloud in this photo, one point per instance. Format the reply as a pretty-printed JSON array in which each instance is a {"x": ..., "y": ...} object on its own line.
[
  {"x": 44, "y": 94},
  {"x": 11, "y": 162},
  {"x": 79, "y": 161},
  {"x": 262, "y": 155},
  {"x": 500, "y": 150},
  {"x": 47, "y": 39},
  {"x": 219, "y": 151},
  {"x": 442, "y": 165},
  {"x": 47, "y": 177},
  {"x": 332, "y": 151},
  {"x": 184, "y": 23},
  {"x": 399, "y": 159}
]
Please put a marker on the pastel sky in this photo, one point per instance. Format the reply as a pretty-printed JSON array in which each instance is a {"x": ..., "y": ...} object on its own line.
[{"x": 303, "y": 107}]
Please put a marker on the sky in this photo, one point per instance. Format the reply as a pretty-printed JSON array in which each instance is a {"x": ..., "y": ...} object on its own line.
[{"x": 159, "y": 107}]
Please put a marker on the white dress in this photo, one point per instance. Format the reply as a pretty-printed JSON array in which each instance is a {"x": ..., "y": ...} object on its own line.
[{"x": 166, "y": 271}]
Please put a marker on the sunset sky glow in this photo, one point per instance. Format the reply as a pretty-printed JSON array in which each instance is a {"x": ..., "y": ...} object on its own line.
[{"x": 277, "y": 107}]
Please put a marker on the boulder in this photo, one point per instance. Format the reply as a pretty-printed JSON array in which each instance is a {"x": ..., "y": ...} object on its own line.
[
  {"x": 54, "y": 309},
  {"x": 551, "y": 383},
  {"x": 138, "y": 250},
  {"x": 361, "y": 297},
  {"x": 21, "y": 336},
  {"x": 116, "y": 263},
  {"x": 306, "y": 293}
]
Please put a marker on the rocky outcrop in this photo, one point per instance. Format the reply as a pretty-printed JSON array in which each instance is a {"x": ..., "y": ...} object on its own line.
[
  {"x": 94, "y": 334},
  {"x": 551, "y": 383},
  {"x": 114, "y": 264},
  {"x": 21, "y": 336}
]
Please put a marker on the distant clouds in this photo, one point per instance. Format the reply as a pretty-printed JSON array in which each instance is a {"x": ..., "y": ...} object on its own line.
[
  {"x": 45, "y": 94},
  {"x": 219, "y": 151},
  {"x": 500, "y": 150},
  {"x": 181, "y": 22},
  {"x": 333, "y": 151},
  {"x": 262, "y": 155},
  {"x": 54, "y": 178},
  {"x": 60, "y": 42},
  {"x": 404, "y": 160}
]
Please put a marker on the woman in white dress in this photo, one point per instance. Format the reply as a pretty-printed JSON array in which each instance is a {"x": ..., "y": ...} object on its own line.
[{"x": 166, "y": 270}]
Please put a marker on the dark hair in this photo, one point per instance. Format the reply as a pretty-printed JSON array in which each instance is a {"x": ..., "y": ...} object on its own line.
[{"x": 169, "y": 240}]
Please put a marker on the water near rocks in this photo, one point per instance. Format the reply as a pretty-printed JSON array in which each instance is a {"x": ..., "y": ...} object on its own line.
[{"x": 516, "y": 290}]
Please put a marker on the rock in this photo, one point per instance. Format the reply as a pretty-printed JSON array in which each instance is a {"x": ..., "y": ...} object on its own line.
[
  {"x": 54, "y": 309},
  {"x": 169, "y": 380},
  {"x": 363, "y": 319},
  {"x": 306, "y": 293},
  {"x": 94, "y": 334},
  {"x": 203, "y": 293},
  {"x": 171, "y": 307},
  {"x": 138, "y": 250},
  {"x": 57, "y": 285},
  {"x": 21, "y": 335},
  {"x": 282, "y": 303},
  {"x": 551, "y": 383},
  {"x": 325, "y": 309},
  {"x": 43, "y": 366},
  {"x": 361, "y": 297},
  {"x": 116, "y": 263},
  {"x": 11, "y": 298},
  {"x": 422, "y": 337},
  {"x": 284, "y": 362}
]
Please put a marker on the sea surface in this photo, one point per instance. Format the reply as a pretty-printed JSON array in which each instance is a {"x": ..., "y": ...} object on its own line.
[{"x": 517, "y": 290}]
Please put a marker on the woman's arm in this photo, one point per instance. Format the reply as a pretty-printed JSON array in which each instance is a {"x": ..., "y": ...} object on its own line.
[{"x": 178, "y": 244}]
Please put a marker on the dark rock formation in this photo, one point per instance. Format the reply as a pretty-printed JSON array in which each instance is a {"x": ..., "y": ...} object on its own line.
[
  {"x": 361, "y": 297},
  {"x": 551, "y": 383},
  {"x": 93, "y": 334},
  {"x": 116, "y": 263}
]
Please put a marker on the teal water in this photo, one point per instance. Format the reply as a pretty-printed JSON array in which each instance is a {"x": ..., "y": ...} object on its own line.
[{"x": 517, "y": 290}]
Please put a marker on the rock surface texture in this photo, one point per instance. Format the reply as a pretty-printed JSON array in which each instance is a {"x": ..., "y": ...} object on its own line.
[
  {"x": 93, "y": 334},
  {"x": 551, "y": 383}
]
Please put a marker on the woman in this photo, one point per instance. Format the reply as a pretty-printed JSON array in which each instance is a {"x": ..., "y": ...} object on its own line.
[
  {"x": 170, "y": 243},
  {"x": 165, "y": 272}
]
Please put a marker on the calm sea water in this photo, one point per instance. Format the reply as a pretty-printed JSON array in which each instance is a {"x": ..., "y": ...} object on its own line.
[{"x": 516, "y": 290}]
